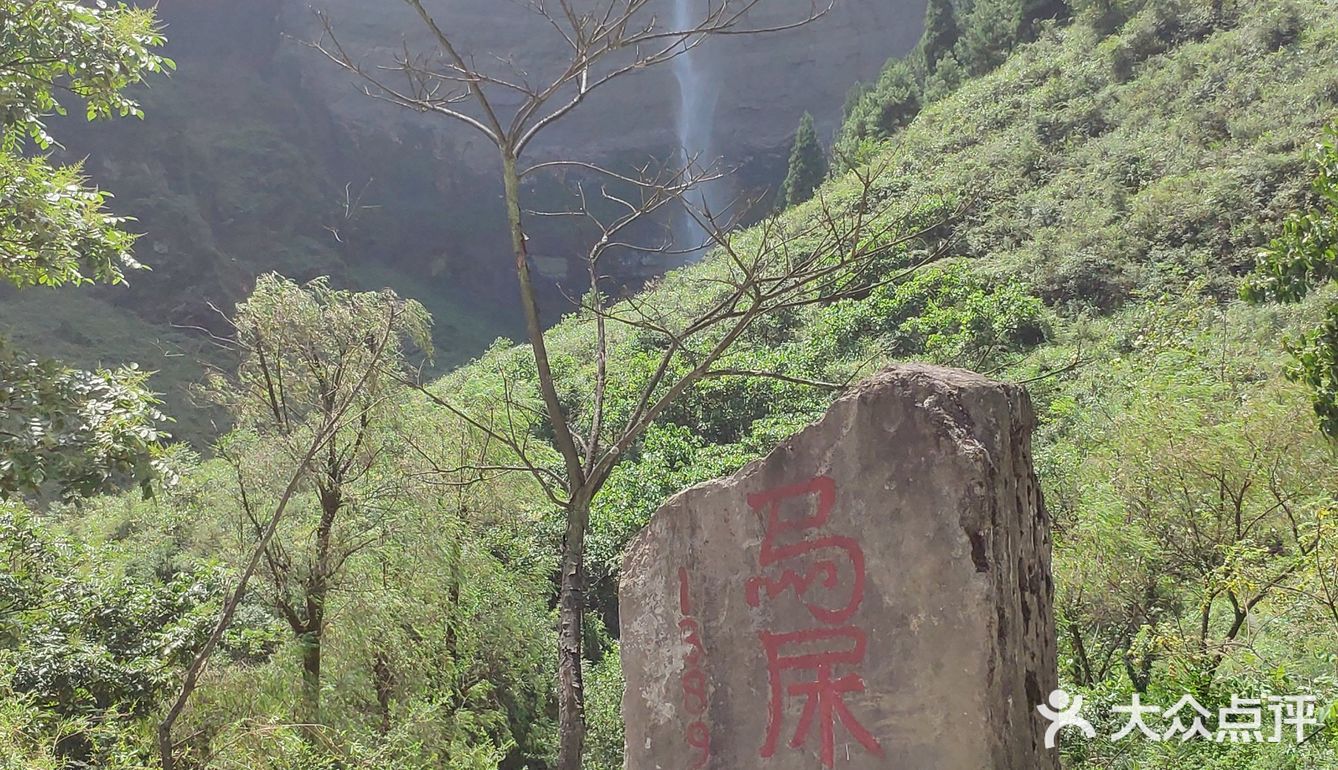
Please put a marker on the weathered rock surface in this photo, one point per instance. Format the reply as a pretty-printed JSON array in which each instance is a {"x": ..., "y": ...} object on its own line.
[
  {"x": 873, "y": 594},
  {"x": 259, "y": 154},
  {"x": 764, "y": 82},
  {"x": 312, "y": 177}
]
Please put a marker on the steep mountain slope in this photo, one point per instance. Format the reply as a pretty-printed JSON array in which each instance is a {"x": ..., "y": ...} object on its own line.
[
  {"x": 1104, "y": 171},
  {"x": 1123, "y": 176}
]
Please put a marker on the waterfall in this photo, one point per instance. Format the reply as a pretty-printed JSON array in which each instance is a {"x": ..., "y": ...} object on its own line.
[{"x": 695, "y": 122}]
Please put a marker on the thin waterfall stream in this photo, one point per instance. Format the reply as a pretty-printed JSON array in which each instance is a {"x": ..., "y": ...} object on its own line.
[{"x": 695, "y": 123}]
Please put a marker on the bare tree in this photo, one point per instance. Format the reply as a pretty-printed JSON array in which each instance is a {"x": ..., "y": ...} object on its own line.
[{"x": 844, "y": 250}]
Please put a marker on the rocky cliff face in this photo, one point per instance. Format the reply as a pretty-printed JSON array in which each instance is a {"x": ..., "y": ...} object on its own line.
[
  {"x": 756, "y": 88},
  {"x": 760, "y": 84},
  {"x": 259, "y": 154}
]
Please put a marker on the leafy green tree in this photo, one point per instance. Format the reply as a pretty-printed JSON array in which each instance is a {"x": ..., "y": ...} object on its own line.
[
  {"x": 63, "y": 430},
  {"x": 1300, "y": 260},
  {"x": 305, "y": 351},
  {"x": 87, "y": 642},
  {"x": 58, "y": 231},
  {"x": 808, "y": 165},
  {"x": 73, "y": 432},
  {"x": 1193, "y": 471},
  {"x": 895, "y": 99},
  {"x": 318, "y": 370},
  {"x": 948, "y": 74}
]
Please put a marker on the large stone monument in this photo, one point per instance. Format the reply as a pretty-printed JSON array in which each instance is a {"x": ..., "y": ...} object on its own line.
[{"x": 875, "y": 593}]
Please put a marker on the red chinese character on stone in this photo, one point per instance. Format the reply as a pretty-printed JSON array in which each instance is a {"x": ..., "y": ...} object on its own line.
[
  {"x": 824, "y": 694},
  {"x": 827, "y": 570},
  {"x": 823, "y": 656}
]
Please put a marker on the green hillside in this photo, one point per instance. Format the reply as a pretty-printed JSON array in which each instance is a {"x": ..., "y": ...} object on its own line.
[
  {"x": 1106, "y": 188},
  {"x": 1120, "y": 185}
]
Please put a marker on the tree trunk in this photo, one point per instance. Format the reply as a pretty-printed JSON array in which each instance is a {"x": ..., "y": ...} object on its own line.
[
  {"x": 1082, "y": 666},
  {"x": 571, "y": 593},
  {"x": 571, "y": 613},
  {"x": 318, "y": 586},
  {"x": 384, "y": 678},
  {"x": 534, "y": 330},
  {"x": 1140, "y": 674},
  {"x": 166, "y": 751},
  {"x": 311, "y": 676}
]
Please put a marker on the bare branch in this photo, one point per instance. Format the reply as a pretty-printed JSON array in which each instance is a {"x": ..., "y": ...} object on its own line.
[{"x": 758, "y": 374}]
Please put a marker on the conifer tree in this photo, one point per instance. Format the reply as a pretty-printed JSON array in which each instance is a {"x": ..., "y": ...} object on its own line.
[
  {"x": 808, "y": 165},
  {"x": 941, "y": 32},
  {"x": 988, "y": 33}
]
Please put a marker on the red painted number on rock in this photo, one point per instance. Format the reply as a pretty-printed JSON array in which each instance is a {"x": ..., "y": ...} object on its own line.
[{"x": 696, "y": 686}]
